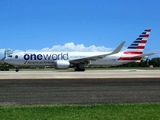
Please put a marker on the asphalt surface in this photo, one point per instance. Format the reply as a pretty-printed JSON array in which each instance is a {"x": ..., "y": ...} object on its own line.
[
  {"x": 88, "y": 74},
  {"x": 79, "y": 91}
]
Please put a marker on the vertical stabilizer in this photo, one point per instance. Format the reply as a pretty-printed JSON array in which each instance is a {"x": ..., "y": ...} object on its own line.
[{"x": 137, "y": 47}]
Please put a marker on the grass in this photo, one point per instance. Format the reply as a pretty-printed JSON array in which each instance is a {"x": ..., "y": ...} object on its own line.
[{"x": 82, "y": 112}]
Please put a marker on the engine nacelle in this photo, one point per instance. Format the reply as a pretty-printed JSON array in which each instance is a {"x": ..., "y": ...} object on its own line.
[{"x": 62, "y": 64}]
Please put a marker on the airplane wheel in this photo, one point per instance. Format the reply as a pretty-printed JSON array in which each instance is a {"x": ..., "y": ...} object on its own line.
[
  {"x": 16, "y": 70},
  {"x": 78, "y": 69}
]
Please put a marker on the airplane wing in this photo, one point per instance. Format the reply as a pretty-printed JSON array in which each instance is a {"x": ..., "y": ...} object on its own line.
[{"x": 96, "y": 57}]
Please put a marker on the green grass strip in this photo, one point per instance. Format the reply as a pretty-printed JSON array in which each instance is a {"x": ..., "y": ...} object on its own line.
[{"x": 82, "y": 112}]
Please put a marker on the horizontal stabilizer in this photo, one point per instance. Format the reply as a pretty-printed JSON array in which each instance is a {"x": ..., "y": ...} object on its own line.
[
  {"x": 145, "y": 55},
  {"x": 149, "y": 54}
]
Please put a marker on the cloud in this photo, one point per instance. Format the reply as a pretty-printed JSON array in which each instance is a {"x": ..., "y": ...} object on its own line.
[
  {"x": 1, "y": 53},
  {"x": 79, "y": 47},
  {"x": 70, "y": 47},
  {"x": 2, "y": 50}
]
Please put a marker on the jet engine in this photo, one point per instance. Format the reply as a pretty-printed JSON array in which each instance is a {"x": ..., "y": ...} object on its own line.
[{"x": 62, "y": 64}]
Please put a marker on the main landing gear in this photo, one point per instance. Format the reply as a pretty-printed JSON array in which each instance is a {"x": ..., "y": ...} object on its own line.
[
  {"x": 17, "y": 69},
  {"x": 79, "y": 68}
]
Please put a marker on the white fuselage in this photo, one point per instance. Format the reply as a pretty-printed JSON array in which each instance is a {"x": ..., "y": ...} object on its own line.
[{"x": 49, "y": 58}]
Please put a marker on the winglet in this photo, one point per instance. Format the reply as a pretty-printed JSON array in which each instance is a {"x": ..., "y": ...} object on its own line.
[{"x": 118, "y": 49}]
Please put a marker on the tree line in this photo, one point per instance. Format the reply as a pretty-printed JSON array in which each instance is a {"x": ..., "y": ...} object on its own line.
[{"x": 143, "y": 63}]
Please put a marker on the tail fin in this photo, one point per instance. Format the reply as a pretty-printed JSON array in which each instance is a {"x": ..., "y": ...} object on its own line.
[{"x": 137, "y": 47}]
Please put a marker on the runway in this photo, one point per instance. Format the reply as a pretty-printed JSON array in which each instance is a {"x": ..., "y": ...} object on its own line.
[
  {"x": 88, "y": 74},
  {"x": 79, "y": 91}
]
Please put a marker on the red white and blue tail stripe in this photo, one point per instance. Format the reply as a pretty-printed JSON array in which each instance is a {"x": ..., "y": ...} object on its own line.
[
  {"x": 139, "y": 44},
  {"x": 137, "y": 47}
]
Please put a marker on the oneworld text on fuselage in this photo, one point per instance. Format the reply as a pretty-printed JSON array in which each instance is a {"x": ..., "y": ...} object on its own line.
[{"x": 60, "y": 56}]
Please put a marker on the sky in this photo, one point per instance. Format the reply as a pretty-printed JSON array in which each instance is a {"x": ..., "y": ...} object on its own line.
[{"x": 77, "y": 25}]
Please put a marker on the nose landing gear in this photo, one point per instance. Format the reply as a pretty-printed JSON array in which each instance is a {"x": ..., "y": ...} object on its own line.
[{"x": 17, "y": 69}]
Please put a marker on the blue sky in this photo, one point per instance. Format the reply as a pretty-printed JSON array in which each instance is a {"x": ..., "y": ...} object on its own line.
[{"x": 42, "y": 24}]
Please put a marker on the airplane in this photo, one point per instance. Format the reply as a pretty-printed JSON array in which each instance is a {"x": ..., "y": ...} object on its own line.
[{"x": 60, "y": 60}]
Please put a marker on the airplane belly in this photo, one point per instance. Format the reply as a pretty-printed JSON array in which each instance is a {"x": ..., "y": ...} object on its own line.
[
  {"x": 104, "y": 62},
  {"x": 13, "y": 62}
]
